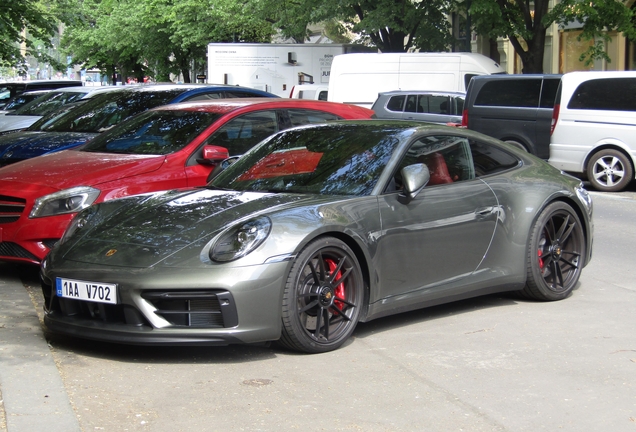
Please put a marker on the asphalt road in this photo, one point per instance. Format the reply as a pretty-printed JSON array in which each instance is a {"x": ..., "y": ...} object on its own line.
[{"x": 493, "y": 363}]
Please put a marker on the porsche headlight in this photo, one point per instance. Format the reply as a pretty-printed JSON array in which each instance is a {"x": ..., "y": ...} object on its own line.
[
  {"x": 79, "y": 221},
  {"x": 240, "y": 240},
  {"x": 67, "y": 201}
]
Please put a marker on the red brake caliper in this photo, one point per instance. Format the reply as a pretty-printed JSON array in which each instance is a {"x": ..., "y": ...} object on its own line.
[
  {"x": 540, "y": 259},
  {"x": 340, "y": 289}
]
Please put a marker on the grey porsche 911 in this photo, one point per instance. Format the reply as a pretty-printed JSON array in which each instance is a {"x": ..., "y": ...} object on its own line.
[{"x": 316, "y": 229}]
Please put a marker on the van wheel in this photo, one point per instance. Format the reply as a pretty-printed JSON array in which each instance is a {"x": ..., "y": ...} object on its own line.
[
  {"x": 609, "y": 170},
  {"x": 518, "y": 145}
]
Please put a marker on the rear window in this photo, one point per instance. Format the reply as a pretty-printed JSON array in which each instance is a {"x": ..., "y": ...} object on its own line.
[
  {"x": 396, "y": 103},
  {"x": 611, "y": 94},
  {"x": 548, "y": 92},
  {"x": 521, "y": 93}
]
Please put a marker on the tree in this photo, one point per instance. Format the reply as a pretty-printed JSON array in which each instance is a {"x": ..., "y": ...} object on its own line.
[
  {"x": 525, "y": 24},
  {"x": 27, "y": 22},
  {"x": 389, "y": 25}
]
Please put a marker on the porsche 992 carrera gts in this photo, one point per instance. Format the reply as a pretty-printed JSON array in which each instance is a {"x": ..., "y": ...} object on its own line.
[{"x": 316, "y": 229}]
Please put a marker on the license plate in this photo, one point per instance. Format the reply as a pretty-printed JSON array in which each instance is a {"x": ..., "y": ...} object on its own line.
[{"x": 84, "y": 290}]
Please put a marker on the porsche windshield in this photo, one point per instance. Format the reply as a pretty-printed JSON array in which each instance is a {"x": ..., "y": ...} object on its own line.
[
  {"x": 337, "y": 159},
  {"x": 153, "y": 132},
  {"x": 104, "y": 111}
]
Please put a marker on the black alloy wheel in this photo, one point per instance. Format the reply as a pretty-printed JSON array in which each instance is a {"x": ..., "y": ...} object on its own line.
[
  {"x": 323, "y": 297},
  {"x": 556, "y": 253}
]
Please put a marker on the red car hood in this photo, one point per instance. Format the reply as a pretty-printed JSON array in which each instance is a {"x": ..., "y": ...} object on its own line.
[{"x": 71, "y": 168}]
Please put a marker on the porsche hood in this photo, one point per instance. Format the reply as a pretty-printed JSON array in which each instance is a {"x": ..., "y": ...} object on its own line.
[{"x": 143, "y": 231}]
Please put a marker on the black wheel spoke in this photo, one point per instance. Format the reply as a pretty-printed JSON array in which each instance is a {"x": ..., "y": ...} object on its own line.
[
  {"x": 309, "y": 306},
  {"x": 340, "y": 312},
  {"x": 342, "y": 278},
  {"x": 564, "y": 225},
  {"x": 318, "y": 324},
  {"x": 314, "y": 273},
  {"x": 335, "y": 272},
  {"x": 326, "y": 319},
  {"x": 345, "y": 301},
  {"x": 323, "y": 271}
]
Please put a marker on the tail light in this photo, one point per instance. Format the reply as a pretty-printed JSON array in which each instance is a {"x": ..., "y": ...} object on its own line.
[
  {"x": 465, "y": 118},
  {"x": 555, "y": 117}
]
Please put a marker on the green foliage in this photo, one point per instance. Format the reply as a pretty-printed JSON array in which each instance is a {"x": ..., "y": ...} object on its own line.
[
  {"x": 525, "y": 24},
  {"x": 37, "y": 18}
]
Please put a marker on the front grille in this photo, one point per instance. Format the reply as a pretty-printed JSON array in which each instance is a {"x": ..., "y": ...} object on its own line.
[
  {"x": 11, "y": 208},
  {"x": 194, "y": 308},
  {"x": 8, "y": 249}
]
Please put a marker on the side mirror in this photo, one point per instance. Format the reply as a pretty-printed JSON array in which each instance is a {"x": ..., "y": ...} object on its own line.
[
  {"x": 414, "y": 178},
  {"x": 214, "y": 154}
]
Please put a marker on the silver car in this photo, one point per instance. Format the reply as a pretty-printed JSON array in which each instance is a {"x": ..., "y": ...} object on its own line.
[
  {"x": 316, "y": 229},
  {"x": 428, "y": 106}
]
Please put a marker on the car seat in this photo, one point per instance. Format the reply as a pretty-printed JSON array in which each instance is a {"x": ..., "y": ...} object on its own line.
[{"x": 437, "y": 169}]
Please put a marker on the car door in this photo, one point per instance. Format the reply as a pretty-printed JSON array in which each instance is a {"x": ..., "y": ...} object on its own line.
[{"x": 442, "y": 235}]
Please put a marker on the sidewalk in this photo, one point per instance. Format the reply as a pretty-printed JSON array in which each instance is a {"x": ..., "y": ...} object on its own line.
[{"x": 32, "y": 390}]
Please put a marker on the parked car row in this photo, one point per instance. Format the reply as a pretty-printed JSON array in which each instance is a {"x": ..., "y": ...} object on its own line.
[
  {"x": 582, "y": 122},
  {"x": 161, "y": 216}
]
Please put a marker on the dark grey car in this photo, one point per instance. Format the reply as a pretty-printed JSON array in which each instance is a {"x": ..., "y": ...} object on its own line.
[
  {"x": 428, "y": 106},
  {"x": 315, "y": 229}
]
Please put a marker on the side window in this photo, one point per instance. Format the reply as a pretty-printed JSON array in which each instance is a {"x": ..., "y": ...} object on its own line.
[
  {"x": 548, "y": 92},
  {"x": 238, "y": 94},
  {"x": 411, "y": 104},
  {"x": 615, "y": 94},
  {"x": 489, "y": 159},
  {"x": 467, "y": 79},
  {"x": 458, "y": 103},
  {"x": 244, "y": 132},
  {"x": 522, "y": 93},
  {"x": 300, "y": 117},
  {"x": 396, "y": 103},
  {"x": 447, "y": 157},
  {"x": 323, "y": 95},
  {"x": 204, "y": 97},
  {"x": 439, "y": 105}
]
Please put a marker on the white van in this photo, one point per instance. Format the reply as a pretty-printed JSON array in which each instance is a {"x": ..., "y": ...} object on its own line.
[
  {"x": 309, "y": 91},
  {"x": 359, "y": 78},
  {"x": 594, "y": 127}
]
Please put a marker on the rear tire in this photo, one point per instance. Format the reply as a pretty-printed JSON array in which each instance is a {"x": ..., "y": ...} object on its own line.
[
  {"x": 556, "y": 253},
  {"x": 609, "y": 170}
]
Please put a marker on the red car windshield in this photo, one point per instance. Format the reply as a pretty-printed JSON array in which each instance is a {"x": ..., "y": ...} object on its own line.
[{"x": 153, "y": 133}]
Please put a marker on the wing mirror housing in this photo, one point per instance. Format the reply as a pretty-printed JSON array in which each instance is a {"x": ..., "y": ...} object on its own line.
[
  {"x": 213, "y": 154},
  {"x": 414, "y": 178}
]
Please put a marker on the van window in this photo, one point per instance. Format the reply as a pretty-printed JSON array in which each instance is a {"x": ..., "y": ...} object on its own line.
[
  {"x": 548, "y": 92},
  {"x": 522, "y": 93},
  {"x": 612, "y": 94}
]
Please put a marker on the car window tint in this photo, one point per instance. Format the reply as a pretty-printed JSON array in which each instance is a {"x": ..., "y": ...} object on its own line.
[
  {"x": 396, "y": 103},
  {"x": 523, "y": 93},
  {"x": 447, "y": 157},
  {"x": 615, "y": 94},
  {"x": 330, "y": 161},
  {"x": 322, "y": 95},
  {"x": 489, "y": 159},
  {"x": 300, "y": 117},
  {"x": 548, "y": 92},
  {"x": 239, "y": 94},
  {"x": 458, "y": 105},
  {"x": 154, "y": 132},
  {"x": 48, "y": 103},
  {"x": 411, "y": 103},
  {"x": 104, "y": 111},
  {"x": 244, "y": 132},
  {"x": 204, "y": 97},
  {"x": 438, "y": 105}
]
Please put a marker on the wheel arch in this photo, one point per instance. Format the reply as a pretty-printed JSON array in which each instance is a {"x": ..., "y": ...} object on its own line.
[
  {"x": 609, "y": 146},
  {"x": 514, "y": 140},
  {"x": 579, "y": 212},
  {"x": 360, "y": 256}
]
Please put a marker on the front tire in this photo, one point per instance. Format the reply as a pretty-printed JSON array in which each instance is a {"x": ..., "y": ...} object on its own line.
[
  {"x": 556, "y": 253},
  {"x": 323, "y": 297},
  {"x": 609, "y": 170}
]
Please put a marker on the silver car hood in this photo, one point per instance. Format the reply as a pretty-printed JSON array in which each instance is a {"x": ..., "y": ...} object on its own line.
[{"x": 143, "y": 232}]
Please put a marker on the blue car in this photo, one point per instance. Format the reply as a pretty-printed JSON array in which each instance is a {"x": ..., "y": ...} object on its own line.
[{"x": 75, "y": 125}]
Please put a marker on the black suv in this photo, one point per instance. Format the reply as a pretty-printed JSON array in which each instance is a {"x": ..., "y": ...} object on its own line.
[{"x": 513, "y": 108}]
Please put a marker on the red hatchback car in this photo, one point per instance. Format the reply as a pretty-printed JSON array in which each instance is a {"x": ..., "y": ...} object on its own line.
[{"x": 168, "y": 147}]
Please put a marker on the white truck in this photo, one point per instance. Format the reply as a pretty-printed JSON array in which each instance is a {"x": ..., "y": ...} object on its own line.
[
  {"x": 275, "y": 68},
  {"x": 358, "y": 78}
]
